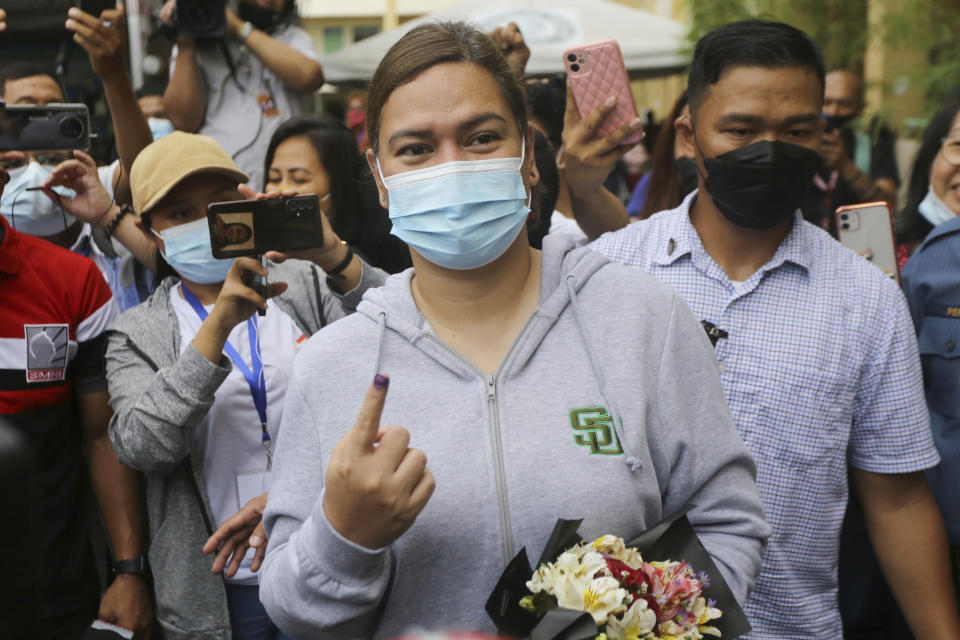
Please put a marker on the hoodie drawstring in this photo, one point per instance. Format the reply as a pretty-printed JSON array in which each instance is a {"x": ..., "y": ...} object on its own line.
[
  {"x": 633, "y": 462},
  {"x": 382, "y": 321}
]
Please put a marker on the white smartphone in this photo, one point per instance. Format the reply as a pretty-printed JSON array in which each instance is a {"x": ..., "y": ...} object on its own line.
[{"x": 868, "y": 229}]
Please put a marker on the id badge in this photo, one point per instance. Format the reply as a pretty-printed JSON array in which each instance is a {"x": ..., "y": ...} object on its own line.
[
  {"x": 267, "y": 106},
  {"x": 251, "y": 485}
]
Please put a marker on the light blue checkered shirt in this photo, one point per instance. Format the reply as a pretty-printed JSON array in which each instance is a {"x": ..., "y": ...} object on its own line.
[{"x": 820, "y": 370}]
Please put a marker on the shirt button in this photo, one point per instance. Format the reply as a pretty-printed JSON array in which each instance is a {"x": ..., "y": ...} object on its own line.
[
  {"x": 671, "y": 246},
  {"x": 950, "y": 345}
]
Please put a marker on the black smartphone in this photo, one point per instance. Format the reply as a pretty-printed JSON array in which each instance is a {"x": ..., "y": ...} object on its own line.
[
  {"x": 52, "y": 127},
  {"x": 96, "y": 7},
  {"x": 253, "y": 227}
]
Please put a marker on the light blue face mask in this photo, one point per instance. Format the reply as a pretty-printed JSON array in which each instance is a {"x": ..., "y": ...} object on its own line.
[
  {"x": 935, "y": 210},
  {"x": 187, "y": 250},
  {"x": 459, "y": 215},
  {"x": 33, "y": 212},
  {"x": 160, "y": 127}
]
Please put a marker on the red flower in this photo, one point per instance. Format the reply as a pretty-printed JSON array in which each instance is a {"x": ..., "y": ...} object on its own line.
[{"x": 629, "y": 578}]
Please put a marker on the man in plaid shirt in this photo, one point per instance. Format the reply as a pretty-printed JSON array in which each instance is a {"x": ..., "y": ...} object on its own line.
[{"x": 817, "y": 354}]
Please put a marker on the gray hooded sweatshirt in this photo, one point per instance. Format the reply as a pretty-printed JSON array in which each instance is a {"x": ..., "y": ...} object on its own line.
[
  {"x": 608, "y": 407},
  {"x": 159, "y": 397}
]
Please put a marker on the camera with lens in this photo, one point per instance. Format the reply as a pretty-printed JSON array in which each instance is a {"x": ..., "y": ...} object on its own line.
[
  {"x": 202, "y": 19},
  {"x": 52, "y": 127}
]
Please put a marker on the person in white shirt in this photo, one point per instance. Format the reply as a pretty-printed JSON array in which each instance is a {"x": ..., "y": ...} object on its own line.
[{"x": 238, "y": 90}]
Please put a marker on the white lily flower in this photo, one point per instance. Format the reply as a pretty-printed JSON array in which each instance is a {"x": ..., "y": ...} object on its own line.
[{"x": 604, "y": 597}]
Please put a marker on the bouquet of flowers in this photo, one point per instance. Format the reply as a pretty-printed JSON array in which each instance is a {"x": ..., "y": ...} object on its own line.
[
  {"x": 629, "y": 599},
  {"x": 609, "y": 589}
]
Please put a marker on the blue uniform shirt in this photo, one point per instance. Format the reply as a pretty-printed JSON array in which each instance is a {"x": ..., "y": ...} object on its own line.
[
  {"x": 820, "y": 370},
  {"x": 931, "y": 282}
]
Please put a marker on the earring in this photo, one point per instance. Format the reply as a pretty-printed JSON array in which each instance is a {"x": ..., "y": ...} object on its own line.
[
  {"x": 533, "y": 174},
  {"x": 383, "y": 198}
]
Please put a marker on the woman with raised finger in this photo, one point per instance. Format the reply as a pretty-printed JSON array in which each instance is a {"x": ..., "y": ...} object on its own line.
[
  {"x": 523, "y": 385},
  {"x": 197, "y": 381}
]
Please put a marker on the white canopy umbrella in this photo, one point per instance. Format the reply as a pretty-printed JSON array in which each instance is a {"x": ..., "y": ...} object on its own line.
[{"x": 648, "y": 42}]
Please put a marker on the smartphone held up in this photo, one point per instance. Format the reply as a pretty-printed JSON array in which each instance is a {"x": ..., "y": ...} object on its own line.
[
  {"x": 52, "y": 127},
  {"x": 596, "y": 71},
  {"x": 253, "y": 227},
  {"x": 868, "y": 229}
]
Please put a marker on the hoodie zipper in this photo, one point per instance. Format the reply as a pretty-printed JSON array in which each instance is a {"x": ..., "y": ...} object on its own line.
[
  {"x": 500, "y": 476},
  {"x": 496, "y": 442}
]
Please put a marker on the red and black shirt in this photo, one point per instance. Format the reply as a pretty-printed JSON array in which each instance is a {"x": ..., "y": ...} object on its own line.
[{"x": 54, "y": 308}]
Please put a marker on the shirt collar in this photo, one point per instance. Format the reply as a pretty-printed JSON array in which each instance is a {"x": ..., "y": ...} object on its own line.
[
  {"x": 9, "y": 249},
  {"x": 682, "y": 239}
]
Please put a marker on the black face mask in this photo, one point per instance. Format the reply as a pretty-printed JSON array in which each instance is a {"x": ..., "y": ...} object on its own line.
[
  {"x": 832, "y": 123},
  {"x": 762, "y": 184},
  {"x": 687, "y": 174},
  {"x": 263, "y": 19}
]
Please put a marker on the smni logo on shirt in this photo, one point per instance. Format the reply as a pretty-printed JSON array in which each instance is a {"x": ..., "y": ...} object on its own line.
[
  {"x": 47, "y": 347},
  {"x": 593, "y": 427}
]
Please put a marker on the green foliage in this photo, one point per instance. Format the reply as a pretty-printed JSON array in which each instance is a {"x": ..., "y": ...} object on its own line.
[
  {"x": 930, "y": 27},
  {"x": 838, "y": 26},
  {"x": 922, "y": 37}
]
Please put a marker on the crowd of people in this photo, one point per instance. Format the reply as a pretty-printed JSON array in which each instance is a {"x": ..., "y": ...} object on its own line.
[{"x": 353, "y": 440}]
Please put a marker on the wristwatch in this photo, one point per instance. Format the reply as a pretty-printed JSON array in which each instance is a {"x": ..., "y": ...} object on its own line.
[
  {"x": 245, "y": 31},
  {"x": 135, "y": 566}
]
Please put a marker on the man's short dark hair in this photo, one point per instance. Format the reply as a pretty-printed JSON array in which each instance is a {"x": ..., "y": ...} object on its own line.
[
  {"x": 750, "y": 43},
  {"x": 20, "y": 70}
]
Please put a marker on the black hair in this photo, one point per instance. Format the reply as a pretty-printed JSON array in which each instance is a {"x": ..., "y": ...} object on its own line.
[
  {"x": 750, "y": 43},
  {"x": 266, "y": 19},
  {"x": 337, "y": 151},
  {"x": 20, "y": 70},
  {"x": 910, "y": 226},
  {"x": 162, "y": 268},
  {"x": 544, "y": 193},
  {"x": 547, "y": 98}
]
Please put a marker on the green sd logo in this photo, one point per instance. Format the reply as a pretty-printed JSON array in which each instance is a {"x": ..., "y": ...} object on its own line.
[{"x": 595, "y": 429}]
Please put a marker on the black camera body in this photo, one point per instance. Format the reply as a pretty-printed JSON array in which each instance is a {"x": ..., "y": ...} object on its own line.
[
  {"x": 253, "y": 227},
  {"x": 52, "y": 127},
  {"x": 201, "y": 19},
  {"x": 45, "y": 19}
]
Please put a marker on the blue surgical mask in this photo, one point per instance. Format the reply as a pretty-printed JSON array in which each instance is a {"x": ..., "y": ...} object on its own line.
[
  {"x": 459, "y": 215},
  {"x": 934, "y": 209},
  {"x": 33, "y": 212},
  {"x": 160, "y": 127},
  {"x": 187, "y": 250}
]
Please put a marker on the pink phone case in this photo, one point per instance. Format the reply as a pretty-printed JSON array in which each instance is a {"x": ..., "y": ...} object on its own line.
[
  {"x": 868, "y": 229},
  {"x": 595, "y": 71}
]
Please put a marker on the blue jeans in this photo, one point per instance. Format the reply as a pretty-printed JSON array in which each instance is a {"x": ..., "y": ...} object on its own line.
[{"x": 248, "y": 618}]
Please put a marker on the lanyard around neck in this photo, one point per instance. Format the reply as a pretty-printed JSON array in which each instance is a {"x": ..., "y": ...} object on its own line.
[{"x": 255, "y": 378}]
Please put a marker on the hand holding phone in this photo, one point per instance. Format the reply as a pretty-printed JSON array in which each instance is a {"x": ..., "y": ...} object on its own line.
[{"x": 596, "y": 71}]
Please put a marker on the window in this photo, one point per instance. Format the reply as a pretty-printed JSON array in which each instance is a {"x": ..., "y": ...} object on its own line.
[
  {"x": 361, "y": 32},
  {"x": 332, "y": 39}
]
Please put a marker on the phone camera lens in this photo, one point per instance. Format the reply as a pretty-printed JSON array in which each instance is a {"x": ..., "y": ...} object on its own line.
[
  {"x": 574, "y": 67},
  {"x": 71, "y": 127},
  {"x": 845, "y": 226},
  {"x": 572, "y": 57},
  {"x": 844, "y": 216}
]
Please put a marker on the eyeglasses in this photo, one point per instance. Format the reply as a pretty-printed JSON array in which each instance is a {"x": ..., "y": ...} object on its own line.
[{"x": 950, "y": 147}]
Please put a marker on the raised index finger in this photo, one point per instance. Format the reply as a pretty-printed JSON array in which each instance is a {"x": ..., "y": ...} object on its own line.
[{"x": 365, "y": 429}]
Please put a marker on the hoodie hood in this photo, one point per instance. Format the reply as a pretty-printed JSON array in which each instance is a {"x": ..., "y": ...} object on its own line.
[{"x": 565, "y": 268}]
